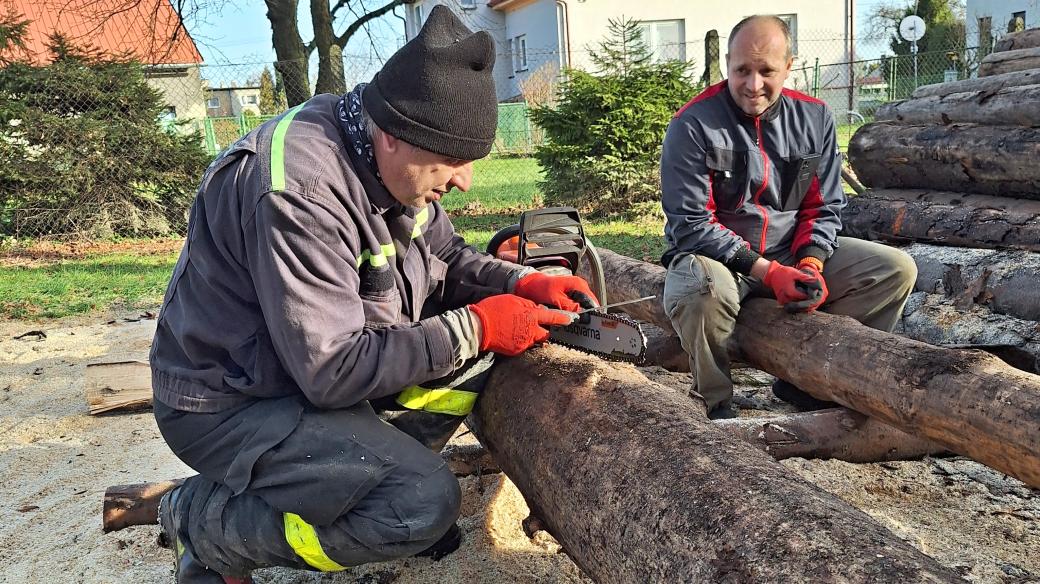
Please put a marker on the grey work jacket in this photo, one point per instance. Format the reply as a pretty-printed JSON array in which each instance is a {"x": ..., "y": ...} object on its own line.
[
  {"x": 736, "y": 187},
  {"x": 301, "y": 273}
]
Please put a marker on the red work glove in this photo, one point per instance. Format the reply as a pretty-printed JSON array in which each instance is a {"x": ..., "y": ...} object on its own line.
[
  {"x": 816, "y": 292},
  {"x": 570, "y": 293},
  {"x": 788, "y": 284},
  {"x": 513, "y": 324}
]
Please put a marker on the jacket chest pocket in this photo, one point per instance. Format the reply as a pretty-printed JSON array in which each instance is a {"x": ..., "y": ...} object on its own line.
[
  {"x": 438, "y": 271},
  {"x": 379, "y": 296},
  {"x": 796, "y": 177},
  {"x": 729, "y": 177}
]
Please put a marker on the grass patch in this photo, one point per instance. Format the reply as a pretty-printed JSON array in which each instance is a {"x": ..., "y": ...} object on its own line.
[
  {"x": 498, "y": 183},
  {"x": 77, "y": 286}
]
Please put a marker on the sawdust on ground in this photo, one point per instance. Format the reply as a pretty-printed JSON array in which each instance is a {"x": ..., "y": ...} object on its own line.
[{"x": 56, "y": 461}]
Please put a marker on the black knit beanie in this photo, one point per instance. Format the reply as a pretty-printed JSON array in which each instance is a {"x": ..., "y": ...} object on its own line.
[{"x": 436, "y": 92}]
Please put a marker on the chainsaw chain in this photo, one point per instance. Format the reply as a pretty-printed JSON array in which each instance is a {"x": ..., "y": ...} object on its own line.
[{"x": 634, "y": 359}]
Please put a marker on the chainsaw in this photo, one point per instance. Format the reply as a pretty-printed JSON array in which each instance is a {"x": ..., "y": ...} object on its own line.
[{"x": 553, "y": 241}]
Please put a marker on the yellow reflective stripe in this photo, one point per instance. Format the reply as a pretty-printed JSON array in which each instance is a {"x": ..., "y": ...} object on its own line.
[
  {"x": 439, "y": 401},
  {"x": 420, "y": 219},
  {"x": 278, "y": 149},
  {"x": 304, "y": 541},
  {"x": 378, "y": 259}
]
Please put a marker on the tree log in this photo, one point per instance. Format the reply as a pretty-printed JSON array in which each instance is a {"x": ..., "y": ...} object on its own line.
[
  {"x": 836, "y": 433},
  {"x": 1002, "y": 281},
  {"x": 938, "y": 320},
  {"x": 982, "y": 84},
  {"x": 944, "y": 218},
  {"x": 1010, "y": 106},
  {"x": 990, "y": 160},
  {"x": 968, "y": 401},
  {"x": 637, "y": 485},
  {"x": 1023, "y": 39},
  {"x": 1009, "y": 61}
]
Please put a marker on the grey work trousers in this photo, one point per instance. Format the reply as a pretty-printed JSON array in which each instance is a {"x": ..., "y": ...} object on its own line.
[{"x": 868, "y": 281}]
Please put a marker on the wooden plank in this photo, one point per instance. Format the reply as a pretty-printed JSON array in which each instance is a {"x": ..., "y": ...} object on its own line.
[{"x": 118, "y": 385}]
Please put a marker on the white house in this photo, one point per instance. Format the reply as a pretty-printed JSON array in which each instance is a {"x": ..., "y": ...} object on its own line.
[
  {"x": 533, "y": 34},
  {"x": 988, "y": 20}
]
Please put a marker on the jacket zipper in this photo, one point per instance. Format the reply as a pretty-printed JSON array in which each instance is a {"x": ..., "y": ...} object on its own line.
[{"x": 765, "y": 183}]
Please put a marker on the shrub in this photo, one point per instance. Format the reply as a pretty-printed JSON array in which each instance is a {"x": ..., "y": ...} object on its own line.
[
  {"x": 605, "y": 131},
  {"x": 82, "y": 150}
]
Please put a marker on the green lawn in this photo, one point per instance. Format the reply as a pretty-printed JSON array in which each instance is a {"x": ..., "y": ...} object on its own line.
[{"x": 67, "y": 287}]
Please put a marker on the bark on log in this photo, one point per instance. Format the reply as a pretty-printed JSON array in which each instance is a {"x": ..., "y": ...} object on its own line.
[
  {"x": 1010, "y": 61},
  {"x": 969, "y": 401},
  {"x": 1023, "y": 39},
  {"x": 1003, "y": 281},
  {"x": 981, "y": 84},
  {"x": 1011, "y": 106},
  {"x": 944, "y": 218},
  {"x": 990, "y": 160},
  {"x": 938, "y": 320},
  {"x": 604, "y": 456},
  {"x": 836, "y": 433}
]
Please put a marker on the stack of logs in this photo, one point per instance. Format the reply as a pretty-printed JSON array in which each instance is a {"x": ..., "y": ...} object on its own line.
[{"x": 954, "y": 171}]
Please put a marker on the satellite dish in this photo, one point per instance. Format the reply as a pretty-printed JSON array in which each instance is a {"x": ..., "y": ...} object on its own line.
[{"x": 912, "y": 28}]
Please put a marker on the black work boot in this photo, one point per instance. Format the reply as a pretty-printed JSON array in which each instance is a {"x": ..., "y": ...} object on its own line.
[
  {"x": 789, "y": 393},
  {"x": 188, "y": 569},
  {"x": 448, "y": 543},
  {"x": 723, "y": 411}
]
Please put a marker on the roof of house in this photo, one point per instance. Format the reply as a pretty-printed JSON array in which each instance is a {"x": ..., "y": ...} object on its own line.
[{"x": 150, "y": 30}]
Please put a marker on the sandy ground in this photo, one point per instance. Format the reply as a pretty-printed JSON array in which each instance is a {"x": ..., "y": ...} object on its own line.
[{"x": 56, "y": 461}]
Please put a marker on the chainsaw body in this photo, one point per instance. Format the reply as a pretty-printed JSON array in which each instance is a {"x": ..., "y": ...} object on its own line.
[{"x": 553, "y": 241}]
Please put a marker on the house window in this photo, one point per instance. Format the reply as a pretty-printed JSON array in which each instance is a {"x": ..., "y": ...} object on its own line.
[
  {"x": 250, "y": 100},
  {"x": 792, "y": 25},
  {"x": 467, "y": 4},
  {"x": 666, "y": 39},
  {"x": 1018, "y": 22},
  {"x": 213, "y": 103},
  {"x": 985, "y": 35},
  {"x": 416, "y": 17},
  {"x": 520, "y": 53}
]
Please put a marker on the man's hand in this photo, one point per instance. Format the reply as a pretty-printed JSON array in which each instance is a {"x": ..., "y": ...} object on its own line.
[
  {"x": 816, "y": 291},
  {"x": 789, "y": 284},
  {"x": 512, "y": 324},
  {"x": 570, "y": 293}
]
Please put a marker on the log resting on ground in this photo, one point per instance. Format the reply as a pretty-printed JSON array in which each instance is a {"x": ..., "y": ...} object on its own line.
[
  {"x": 638, "y": 486},
  {"x": 965, "y": 158},
  {"x": 1010, "y": 106},
  {"x": 1009, "y": 61},
  {"x": 980, "y": 84},
  {"x": 944, "y": 218},
  {"x": 836, "y": 433},
  {"x": 968, "y": 401},
  {"x": 938, "y": 320},
  {"x": 1003, "y": 281},
  {"x": 1023, "y": 39}
]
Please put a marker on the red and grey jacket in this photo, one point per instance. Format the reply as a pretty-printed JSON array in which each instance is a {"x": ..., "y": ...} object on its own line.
[{"x": 736, "y": 187}]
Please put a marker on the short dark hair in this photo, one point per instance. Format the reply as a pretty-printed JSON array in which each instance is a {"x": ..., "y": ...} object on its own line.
[{"x": 770, "y": 17}]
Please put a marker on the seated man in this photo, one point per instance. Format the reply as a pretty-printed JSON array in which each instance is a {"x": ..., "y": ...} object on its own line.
[
  {"x": 751, "y": 188},
  {"x": 320, "y": 278}
]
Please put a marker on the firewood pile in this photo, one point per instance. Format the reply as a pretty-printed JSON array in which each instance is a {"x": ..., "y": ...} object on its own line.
[{"x": 954, "y": 171}]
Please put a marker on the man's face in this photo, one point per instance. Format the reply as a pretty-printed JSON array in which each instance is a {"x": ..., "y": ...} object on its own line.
[
  {"x": 417, "y": 177},
  {"x": 757, "y": 66}
]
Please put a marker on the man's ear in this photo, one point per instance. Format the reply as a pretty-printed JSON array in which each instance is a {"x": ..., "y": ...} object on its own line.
[
  {"x": 388, "y": 142},
  {"x": 790, "y": 63}
]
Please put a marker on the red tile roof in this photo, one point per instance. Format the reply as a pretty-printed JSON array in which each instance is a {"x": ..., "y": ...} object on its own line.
[{"x": 150, "y": 30}]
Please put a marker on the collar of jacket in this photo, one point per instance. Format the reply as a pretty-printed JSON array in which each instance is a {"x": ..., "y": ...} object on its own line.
[{"x": 767, "y": 116}]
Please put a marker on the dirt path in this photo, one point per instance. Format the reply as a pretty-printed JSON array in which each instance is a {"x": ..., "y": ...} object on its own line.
[{"x": 56, "y": 461}]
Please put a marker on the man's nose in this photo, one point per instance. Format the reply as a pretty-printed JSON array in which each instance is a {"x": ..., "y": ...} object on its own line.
[
  {"x": 755, "y": 82},
  {"x": 462, "y": 178}
]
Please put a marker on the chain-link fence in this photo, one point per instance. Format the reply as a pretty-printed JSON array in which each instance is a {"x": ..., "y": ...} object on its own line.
[{"x": 210, "y": 106}]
